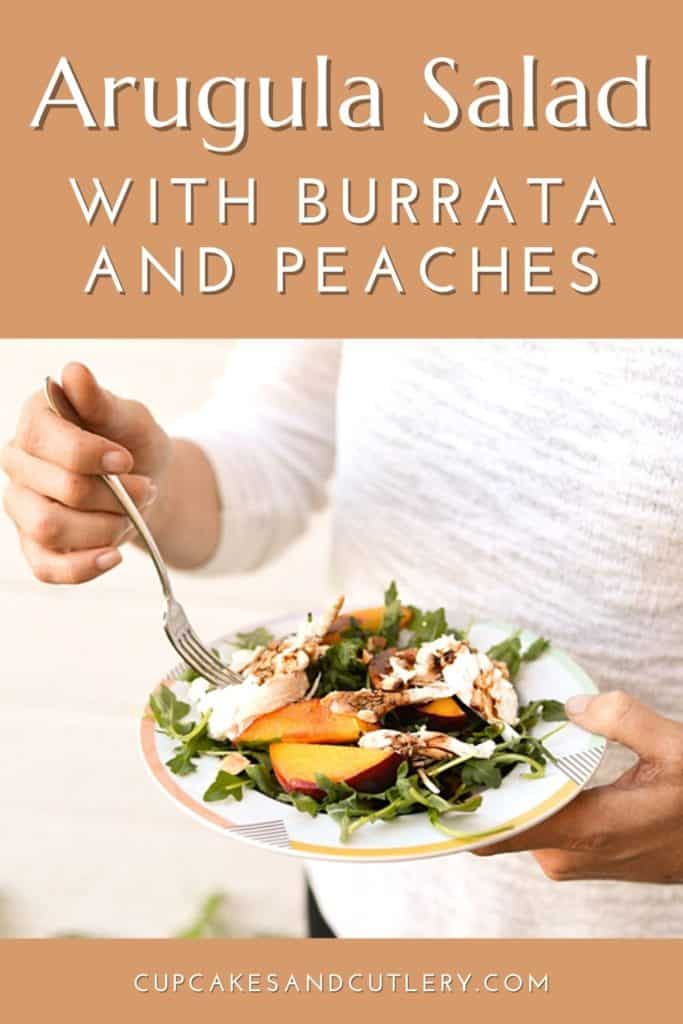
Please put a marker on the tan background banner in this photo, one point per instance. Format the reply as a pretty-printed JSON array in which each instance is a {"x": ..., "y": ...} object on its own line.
[
  {"x": 49, "y": 250},
  {"x": 587, "y": 981}
]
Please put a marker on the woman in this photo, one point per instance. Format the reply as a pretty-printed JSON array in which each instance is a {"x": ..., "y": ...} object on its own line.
[{"x": 527, "y": 481}]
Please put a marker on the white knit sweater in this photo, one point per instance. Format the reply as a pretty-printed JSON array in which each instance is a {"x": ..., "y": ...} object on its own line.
[{"x": 533, "y": 482}]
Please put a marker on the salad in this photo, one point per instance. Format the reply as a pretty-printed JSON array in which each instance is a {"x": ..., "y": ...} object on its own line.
[{"x": 363, "y": 716}]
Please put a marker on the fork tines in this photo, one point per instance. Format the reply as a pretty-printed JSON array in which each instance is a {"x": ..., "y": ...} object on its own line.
[{"x": 192, "y": 651}]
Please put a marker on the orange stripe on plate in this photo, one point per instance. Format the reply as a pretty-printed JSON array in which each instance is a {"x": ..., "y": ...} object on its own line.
[{"x": 160, "y": 772}]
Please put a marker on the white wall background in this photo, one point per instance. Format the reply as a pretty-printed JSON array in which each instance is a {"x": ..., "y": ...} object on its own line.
[{"x": 87, "y": 843}]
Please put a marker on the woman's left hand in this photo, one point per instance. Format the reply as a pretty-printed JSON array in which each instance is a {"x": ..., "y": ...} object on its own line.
[{"x": 630, "y": 831}]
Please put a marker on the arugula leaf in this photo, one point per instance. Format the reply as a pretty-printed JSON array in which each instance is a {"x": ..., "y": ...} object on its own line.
[
  {"x": 536, "y": 764},
  {"x": 225, "y": 785},
  {"x": 341, "y": 668},
  {"x": 263, "y": 780},
  {"x": 303, "y": 803},
  {"x": 468, "y": 804},
  {"x": 334, "y": 791},
  {"x": 427, "y": 626},
  {"x": 192, "y": 737},
  {"x": 541, "y": 710},
  {"x": 188, "y": 675},
  {"x": 169, "y": 713},
  {"x": 508, "y": 651},
  {"x": 478, "y": 772},
  {"x": 182, "y": 763},
  {"x": 391, "y": 622},
  {"x": 436, "y": 821},
  {"x": 554, "y": 711},
  {"x": 536, "y": 649},
  {"x": 256, "y": 638}
]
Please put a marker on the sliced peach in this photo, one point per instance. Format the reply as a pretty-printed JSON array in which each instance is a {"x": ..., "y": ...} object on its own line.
[
  {"x": 444, "y": 714},
  {"x": 369, "y": 618},
  {"x": 297, "y": 765},
  {"x": 307, "y": 721}
]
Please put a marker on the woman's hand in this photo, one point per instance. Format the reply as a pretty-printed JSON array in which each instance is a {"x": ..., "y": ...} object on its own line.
[
  {"x": 70, "y": 525},
  {"x": 630, "y": 831}
]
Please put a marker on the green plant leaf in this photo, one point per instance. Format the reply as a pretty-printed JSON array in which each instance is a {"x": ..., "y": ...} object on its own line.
[
  {"x": 340, "y": 667},
  {"x": 224, "y": 786},
  {"x": 391, "y": 622},
  {"x": 536, "y": 649},
  {"x": 428, "y": 626},
  {"x": 255, "y": 638},
  {"x": 508, "y": 651}
]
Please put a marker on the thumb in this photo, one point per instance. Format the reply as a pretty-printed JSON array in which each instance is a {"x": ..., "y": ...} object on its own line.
[
  {"x": 621, "y": 718},
  {"x": 103, "y": 412}
]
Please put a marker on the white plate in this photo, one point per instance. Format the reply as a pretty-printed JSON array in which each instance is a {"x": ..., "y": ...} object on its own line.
[{"x": 519, "y": 803}]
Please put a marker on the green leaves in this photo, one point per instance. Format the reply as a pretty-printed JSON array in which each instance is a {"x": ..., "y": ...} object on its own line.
[
  {"x": 510, "y": 651},
  {"x": 169, "y": 712},
  {"x": 225, "y": 785},
  {"x": 541, "y": 710},
  {"x": 428, "y": 626},
  {"x": 391, "y": 623},
  {"x": 262, "y": 777},
  {"x": 335, "y": 792},
  {"x": 341, "y": 668},
  {"x": 303, "y": 803},
  {"x": 256, "y": 638},
  {"x": 208, "y": 923},
  {"x": 536, "y": 649},
  {"x": 352, "y": 809},
  {"x": 182, "y": 762},
  {"x": 476, "y": 772},
  {"x": 193, "y": 739},
  {"x": 257, "y": 775}
]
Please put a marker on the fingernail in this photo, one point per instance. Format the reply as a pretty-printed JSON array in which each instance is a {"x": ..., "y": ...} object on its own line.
[
  {"x": 115, "y": 462},
  {"x": 578, "y": 704},
  {"x": 150, "y": 495},
  {"x": 107, "y": 560}
]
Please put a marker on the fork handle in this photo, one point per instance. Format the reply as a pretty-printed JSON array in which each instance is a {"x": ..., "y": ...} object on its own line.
[
  {"x": 133, "y": 513},
  {"x": 62, "y": 407}
]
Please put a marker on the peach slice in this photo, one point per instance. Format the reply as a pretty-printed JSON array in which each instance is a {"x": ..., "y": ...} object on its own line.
[
  {"x": 444, "y": 714},
  {"x": 306, "y": 721},
  {"x": 297, "y": 765},
  {"x": 369, "y": 618}
]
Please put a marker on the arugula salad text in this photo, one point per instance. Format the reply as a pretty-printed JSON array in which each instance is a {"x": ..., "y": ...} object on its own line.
[{"x": 363, "y": 716}]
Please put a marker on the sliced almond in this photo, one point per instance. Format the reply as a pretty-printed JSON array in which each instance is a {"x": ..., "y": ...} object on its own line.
[{"x": 234, "y": 763}]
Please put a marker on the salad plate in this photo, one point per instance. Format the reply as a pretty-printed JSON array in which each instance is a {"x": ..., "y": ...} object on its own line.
[{"x": 383, "y": 734}]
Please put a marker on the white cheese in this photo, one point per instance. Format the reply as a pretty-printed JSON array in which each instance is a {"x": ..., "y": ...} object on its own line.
[
  {"x": 240, "y": 659},
  {"x": 234, "y": 708},
  {"x": 400, "y": 672},
  {"x": 197, "y": 689},
  {"x": 383, "y": 738}
]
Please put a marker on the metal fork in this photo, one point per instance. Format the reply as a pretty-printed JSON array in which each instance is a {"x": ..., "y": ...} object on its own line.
[{"x": 176, "y": 624}]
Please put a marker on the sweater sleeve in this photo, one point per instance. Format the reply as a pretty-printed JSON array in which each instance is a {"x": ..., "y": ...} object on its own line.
[{"x": 268, "y": 430}]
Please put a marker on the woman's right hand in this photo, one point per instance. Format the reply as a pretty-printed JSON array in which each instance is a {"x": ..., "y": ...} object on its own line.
[{"x": 70, "y": 525}]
